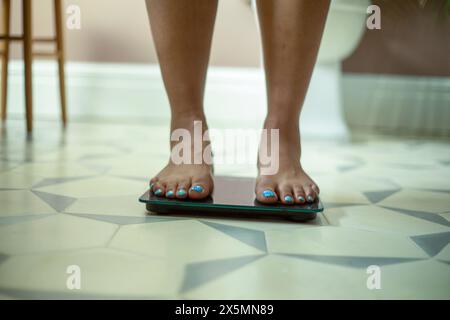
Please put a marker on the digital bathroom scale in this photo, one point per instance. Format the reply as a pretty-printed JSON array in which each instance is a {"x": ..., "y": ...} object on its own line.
[{"x": 232, "y": 197}]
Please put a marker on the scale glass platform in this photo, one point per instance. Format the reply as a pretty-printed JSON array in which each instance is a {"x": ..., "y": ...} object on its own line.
[{"x": 232, "y": 197}]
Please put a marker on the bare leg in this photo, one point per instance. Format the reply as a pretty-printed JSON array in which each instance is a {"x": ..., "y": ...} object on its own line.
[
  {"x": 182, "y": 31},
  {"x": 291, "y": 32}
]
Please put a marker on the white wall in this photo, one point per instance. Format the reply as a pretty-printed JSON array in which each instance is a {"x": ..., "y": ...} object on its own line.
[{"x": 119, "y": 31}]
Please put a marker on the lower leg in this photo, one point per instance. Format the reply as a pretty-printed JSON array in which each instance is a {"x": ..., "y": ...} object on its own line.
[
  {"x": 291, "y": 32},
  {"x": 182, "y": 32}
]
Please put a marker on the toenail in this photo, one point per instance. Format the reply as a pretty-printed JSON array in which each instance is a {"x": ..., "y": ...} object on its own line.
[
  {"x": 310, "y": 199},
  {"x": 198, "y": 189},
  {"x": 169, "y": 193},
  {"x": 158, "y": 192},
  {"x": 181, "y": 192},
  {"x": 288, "y": 199},
  {"x": 268, "y": 193},
  {"x": 151, "y": 185},
  {"x": 301, "y": 199}
]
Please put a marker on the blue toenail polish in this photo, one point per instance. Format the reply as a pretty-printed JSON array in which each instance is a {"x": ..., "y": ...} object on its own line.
[
  {"x": 169, "y": 193},
  {"x": 288, "y": 199},
  {"x": 158, "y": 192},
  {"x": 301, "y": 199},
  {"x": 268, "y": 194},
  {"x": 198, "y": 189},
  {"x": 310, "y": 199},
  {"x": 181, "y": 192}
]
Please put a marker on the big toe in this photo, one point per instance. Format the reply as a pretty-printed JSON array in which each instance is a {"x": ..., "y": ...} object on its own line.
[
  {"x": 265, "y": 193},
  {"x": 201, "y": 187}
]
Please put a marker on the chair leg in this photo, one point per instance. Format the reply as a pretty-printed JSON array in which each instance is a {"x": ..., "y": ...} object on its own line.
[
  {"x": 28, "y": 62},
  {"x": 61, "y": 58},
  {"x": 5, "y": 57}
]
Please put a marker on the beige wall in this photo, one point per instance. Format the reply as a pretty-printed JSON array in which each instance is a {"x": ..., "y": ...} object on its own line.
[
  {"x": 414, "y": 40},
  {"x": 118, "y": 31}
]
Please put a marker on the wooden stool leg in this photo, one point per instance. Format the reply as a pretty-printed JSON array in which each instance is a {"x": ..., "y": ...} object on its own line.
[
  {"x": 28, "y": 62},
  {"x": 5, "y": 57},
  {"x": 61, "y": 57}
]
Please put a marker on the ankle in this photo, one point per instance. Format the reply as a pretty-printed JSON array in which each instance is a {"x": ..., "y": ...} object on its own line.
[
  {"x": 187, "y": 119},
  {"x": 284, "y": 124}
]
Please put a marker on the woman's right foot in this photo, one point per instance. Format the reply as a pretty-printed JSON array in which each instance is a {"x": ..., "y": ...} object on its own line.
[{"x": 191, "y": 180}]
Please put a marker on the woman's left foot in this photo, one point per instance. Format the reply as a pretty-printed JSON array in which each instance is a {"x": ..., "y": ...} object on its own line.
[{"x": 290, "y": 184}]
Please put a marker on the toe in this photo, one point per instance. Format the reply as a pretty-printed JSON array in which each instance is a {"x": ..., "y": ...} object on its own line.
[
  {"x": 171, "y": 189},
  {"x": 310, "y": 194},
  {"x": 200, "y": 188},
  {"x": 265, "y": 193},
  {"x": 183, "y": 188},
  {"x": 286, "y": 195},
  {"x": 152, "y": 183},
  {"x": 159, "y": 189},
  {"x": 299, "y": 194}
]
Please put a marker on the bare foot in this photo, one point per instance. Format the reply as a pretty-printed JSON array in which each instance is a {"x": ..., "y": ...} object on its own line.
[
  {"x": 290, "y": 184},
  {"x": 183, "y": 181}
]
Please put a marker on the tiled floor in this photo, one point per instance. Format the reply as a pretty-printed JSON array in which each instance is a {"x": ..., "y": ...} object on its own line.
[{"x": 71, "y": 199}]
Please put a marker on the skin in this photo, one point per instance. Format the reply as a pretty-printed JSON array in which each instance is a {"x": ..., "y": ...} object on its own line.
[{"x": 291, "y": 31}]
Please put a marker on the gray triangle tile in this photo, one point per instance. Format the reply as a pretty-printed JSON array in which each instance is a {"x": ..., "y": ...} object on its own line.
[
  {"x": 3, "y": 257},
  {"x": 125, "y": 220},
  {"x": 445, "y": 162},
  {"x": 254, "y": 238},
  {"x": 432, "y": 244},
  {"x": 51, "y": 181},
  {"x": 197, "y": 274},
  {"x": 377, "y": 196},
  {"x": 352, "y": 261},
  {"x": 428, "y": 216},
  {"x": 20, "y": 219},
  {"x": 57, "y": 202}
]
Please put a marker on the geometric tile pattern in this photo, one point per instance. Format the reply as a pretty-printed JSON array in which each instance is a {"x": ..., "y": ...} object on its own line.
[
  {"x": 251, "y": 237},
  {"x": 125, "y": 220},
  {"x": 387, "y": 220},
  {"x": 52, "y": 181},
  {"x": 432, "y": 244},
  {"x": 377, "y": 196},
  {"x": 353, "y": 262},
  {"x": 342, "y": 241},
  {"x": 199, "y": 273},
  {"x": 104, "y": 273},
  {"x": 3, "y": 257},
  {"x": 20, "y": 219},
  {"x": 54, "y": 233},
  {"x": 387, "y": 203},
  {"x": 57, "y": 202},
  {"x": 428, "y": 216}
]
